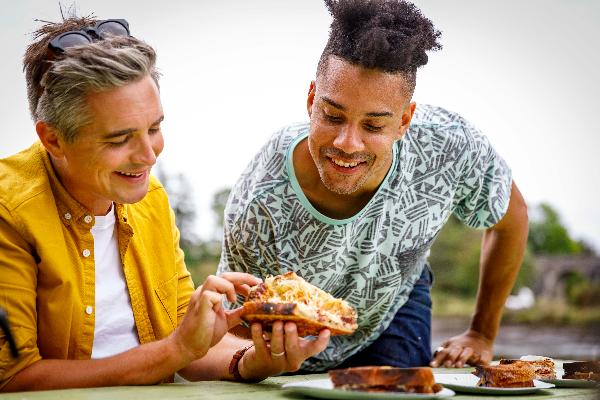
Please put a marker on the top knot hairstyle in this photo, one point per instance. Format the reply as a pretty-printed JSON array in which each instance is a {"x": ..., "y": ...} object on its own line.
[{"x": 388, "y": 35}]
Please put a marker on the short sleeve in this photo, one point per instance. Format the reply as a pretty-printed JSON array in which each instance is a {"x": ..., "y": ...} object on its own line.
[{"x": 483, "y": 193}]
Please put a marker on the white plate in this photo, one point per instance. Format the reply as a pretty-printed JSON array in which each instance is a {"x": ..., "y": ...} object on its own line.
[
  {"x": 572, "y": 383},
  {"x": 468, "y": 383},
  {"x": 323, "y": 389}
]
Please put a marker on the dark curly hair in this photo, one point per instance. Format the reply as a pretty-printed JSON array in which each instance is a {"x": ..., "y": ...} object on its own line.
[{"x": 388, "y": 35}]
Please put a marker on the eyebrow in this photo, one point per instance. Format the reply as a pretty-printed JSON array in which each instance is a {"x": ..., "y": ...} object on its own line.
[
  {"x": 369, "y": 114},
  {"x": 127, "y": 131},
  {"x": 333, "y": 103}
]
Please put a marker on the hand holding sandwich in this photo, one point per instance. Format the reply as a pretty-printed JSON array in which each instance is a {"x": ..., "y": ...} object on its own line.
[
  {"x": 285, "y": 352},
  {"x": 203, "y": 339}
]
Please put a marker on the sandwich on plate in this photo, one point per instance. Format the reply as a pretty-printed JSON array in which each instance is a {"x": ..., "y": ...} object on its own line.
[{"x": 385, "y": 379}]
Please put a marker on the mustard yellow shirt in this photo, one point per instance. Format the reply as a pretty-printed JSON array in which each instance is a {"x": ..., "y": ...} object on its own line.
[{"x": 47, "y": 264}]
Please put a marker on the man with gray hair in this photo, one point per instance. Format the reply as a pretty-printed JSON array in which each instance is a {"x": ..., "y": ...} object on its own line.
[{"x": 91, "y": 272}]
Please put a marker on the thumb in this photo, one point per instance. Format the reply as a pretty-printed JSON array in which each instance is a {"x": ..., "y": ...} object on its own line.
[{"x": 234, "y": 317}]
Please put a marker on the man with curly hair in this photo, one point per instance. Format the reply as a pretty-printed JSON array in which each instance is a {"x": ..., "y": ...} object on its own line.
[
  {"x": 91, "y": 273},
  {"x": 353, "y": 200}
]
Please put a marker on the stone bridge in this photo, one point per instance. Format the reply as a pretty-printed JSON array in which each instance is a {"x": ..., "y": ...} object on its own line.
[{"x": 552, "y": 272}]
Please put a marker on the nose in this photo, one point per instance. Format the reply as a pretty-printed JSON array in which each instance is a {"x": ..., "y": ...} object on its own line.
[
  {"x": 148, "y": 149},
  {"x": 349, "y": 139}
]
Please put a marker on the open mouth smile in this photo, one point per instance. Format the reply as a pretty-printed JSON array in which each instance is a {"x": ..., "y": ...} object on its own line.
[
  {"x": 131, "y": 176},
  {"x": 346, "y": 166}
]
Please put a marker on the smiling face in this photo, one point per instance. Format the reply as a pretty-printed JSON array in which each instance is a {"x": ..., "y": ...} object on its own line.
[
  {"x": 356, "y": 115},
  {"x": 110, "y": 158}
]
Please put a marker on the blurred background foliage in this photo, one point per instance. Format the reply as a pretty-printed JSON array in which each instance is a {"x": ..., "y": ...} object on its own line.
[{"x": 454, "y": 259}]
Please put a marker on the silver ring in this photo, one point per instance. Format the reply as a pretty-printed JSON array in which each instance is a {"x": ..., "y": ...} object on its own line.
[
  {"x": 439, "y": 349},
  {"x": 278, "y": 354}
]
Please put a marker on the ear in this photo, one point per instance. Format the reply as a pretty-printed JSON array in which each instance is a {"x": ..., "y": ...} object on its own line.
[
  {"x": 311, "y": 98},
  {"x": 407, "y": 115},
  {"x": 52, "y": 141}
]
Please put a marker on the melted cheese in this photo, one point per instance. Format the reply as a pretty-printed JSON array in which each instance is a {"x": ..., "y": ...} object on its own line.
[{"x": 311, "y": 301}]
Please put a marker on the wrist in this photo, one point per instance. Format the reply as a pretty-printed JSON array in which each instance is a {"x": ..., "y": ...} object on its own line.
[
  {"x": 486, "y": 325},
  {"x": 237, "y": 368},
  {"x": 185, "y": 355},
  {"x": 474, "y": 331}
]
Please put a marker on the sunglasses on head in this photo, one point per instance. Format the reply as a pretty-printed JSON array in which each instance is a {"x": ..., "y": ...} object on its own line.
[{"x": 102, "y": 29}]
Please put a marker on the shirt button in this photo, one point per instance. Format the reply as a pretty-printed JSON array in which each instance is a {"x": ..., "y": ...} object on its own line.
[
  {"x": 67, "y": 215},
  {"x": 89, "y": 310},
  {"x": 86, "y": 253},
  {"x": 87, "y": 219}
]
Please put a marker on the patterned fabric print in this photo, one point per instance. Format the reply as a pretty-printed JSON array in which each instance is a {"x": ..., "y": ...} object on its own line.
[{"x": 373, "y": 259}]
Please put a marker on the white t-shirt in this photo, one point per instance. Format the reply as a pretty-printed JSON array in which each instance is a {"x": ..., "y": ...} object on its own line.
[{"x": 115, "y": 330}]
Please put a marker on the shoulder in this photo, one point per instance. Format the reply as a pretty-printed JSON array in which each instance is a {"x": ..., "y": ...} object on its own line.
[
  {"x": 280, "y": 141},
  {"x": 267, "y": 171},
  {"x": 23, "y": 176},
  {"x": 442, "y": 120},
  {"x": 269, "y": 162},
  {"x": 442, "y": 126}
]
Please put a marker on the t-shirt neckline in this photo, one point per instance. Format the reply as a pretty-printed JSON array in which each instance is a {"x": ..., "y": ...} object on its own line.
[{"x": 307, "y": 204}]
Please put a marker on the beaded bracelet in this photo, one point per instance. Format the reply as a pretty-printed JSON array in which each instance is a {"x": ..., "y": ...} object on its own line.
[{"x": 235, "y": 363}]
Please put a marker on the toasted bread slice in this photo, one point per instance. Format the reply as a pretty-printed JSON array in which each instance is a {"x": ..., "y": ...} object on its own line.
[
  {"x": 589, "y": 370},
  {"x": 505, "y": 376},
  {"x": 288, "y": 297},
  {"x": 383, "y": 379},
  {"x": 543, "y": 366}
]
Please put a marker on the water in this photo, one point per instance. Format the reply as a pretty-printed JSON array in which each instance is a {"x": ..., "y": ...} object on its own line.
[{"x": 514, "y": 341}]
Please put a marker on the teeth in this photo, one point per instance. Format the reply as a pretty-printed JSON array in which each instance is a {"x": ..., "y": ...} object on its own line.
[
  {"x": 130, "y": 174},
  {"x": 345, "y": 164}
]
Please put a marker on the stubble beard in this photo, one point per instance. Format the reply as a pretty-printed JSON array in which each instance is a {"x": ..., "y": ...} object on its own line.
[
  {"x": 342, "y": 185},
  {"x": 336, "y": 181}
]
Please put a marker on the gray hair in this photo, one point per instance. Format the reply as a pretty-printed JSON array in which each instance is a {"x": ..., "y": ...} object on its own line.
[{"x": 107, "y": 64}]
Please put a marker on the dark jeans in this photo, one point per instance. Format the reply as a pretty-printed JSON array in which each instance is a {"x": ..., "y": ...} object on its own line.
[{"x": 407, "y": 341}]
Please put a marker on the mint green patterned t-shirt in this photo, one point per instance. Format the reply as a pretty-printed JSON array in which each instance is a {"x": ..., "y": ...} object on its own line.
[{"x": 442, "y": 165}]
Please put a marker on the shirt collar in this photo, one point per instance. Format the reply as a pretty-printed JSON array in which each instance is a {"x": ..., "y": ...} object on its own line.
[{"x": 69, "y": 209}]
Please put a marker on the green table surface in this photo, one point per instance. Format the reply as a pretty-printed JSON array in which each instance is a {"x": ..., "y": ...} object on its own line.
[{"x": 268, "y": 389}]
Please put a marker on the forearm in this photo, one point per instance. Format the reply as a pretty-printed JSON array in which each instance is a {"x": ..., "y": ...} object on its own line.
[
  {"x": 502, "y": 252},
  {"x": 215, "y": 364},
  {"x": 497, "y": 276},
  {"x": 145, "y": 364}
]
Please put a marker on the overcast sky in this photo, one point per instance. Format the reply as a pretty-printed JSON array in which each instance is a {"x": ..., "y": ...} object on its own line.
[{"x": 526, "y": 72}]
